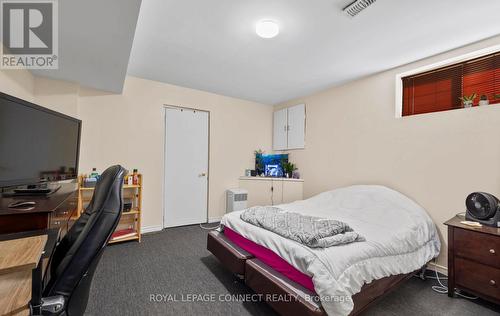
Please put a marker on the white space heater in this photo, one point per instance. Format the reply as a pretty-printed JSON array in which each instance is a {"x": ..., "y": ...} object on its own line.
[{"x": 236, "y": 200}]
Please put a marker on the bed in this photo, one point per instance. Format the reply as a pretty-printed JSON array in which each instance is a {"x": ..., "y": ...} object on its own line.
[{"x": 342, "y": 280}]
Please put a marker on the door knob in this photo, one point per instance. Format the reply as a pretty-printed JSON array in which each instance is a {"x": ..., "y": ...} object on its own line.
[{"x": 492, "y": 251}]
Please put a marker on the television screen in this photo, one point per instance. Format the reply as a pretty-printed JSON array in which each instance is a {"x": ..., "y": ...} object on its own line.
[{"x": 36, "y": 144}]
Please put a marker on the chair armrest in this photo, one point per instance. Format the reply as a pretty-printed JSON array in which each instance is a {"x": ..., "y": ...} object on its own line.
[{"x": 53, "y": 305}]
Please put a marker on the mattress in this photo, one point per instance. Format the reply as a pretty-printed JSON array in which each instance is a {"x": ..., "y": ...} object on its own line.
[{"x": 400, "y": 238}]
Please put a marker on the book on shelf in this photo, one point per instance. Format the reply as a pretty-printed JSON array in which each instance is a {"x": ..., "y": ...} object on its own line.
[{"x": 123, "y": 233}]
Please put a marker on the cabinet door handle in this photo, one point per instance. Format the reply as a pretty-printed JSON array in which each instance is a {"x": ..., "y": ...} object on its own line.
[
  {"x": 492, "y": 251},
  {"x": 493, "y": 283}
]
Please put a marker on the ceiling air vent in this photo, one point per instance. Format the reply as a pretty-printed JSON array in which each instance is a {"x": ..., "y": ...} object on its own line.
[{"x": 357, "y": 6}]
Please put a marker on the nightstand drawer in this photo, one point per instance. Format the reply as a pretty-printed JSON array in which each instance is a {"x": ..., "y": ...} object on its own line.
[
  {"x": 477, "y": 277},
  {"x": 479, "y": 247}
]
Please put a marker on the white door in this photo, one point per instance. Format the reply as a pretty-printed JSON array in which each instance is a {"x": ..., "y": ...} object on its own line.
[
  {"x": 280, "y": 130},
  {"x": 296, "y": 126},
  {"x": 186, "y": 167}
]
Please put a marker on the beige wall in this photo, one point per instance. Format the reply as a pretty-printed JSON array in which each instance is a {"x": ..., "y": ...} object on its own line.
[
  {"x": 57, "y": 95},
  {"x": 353, "y": 137},
  {"x": 129, "y": 129},
  {"x": 19, "y": 83}
]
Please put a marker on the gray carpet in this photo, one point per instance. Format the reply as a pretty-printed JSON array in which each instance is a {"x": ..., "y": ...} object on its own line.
[{"x": 175, "y": 263}]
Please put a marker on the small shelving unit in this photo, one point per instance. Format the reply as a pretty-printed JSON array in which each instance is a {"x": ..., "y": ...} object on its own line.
[{"x": 130, "y": 220}]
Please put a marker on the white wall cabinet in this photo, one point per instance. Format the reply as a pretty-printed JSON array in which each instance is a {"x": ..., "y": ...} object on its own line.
[
  {"x": 272, "y": 191},
  {"x": 289, "y": 128},
  {"x": 280, "y": 133}
]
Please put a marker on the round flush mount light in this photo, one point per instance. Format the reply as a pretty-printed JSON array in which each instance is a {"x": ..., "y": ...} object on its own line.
[{"x": 267, "y": 28}]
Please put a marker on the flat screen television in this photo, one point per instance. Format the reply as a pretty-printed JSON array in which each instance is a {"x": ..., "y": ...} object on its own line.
[{"x": 37, "y": 145}]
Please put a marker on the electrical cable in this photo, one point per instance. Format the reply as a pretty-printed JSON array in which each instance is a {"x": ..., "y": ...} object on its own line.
[
  {"x": 441, "y": 288},
  {"x": 461, "y": 215},
  {"x": 209, "y": 228},
  {"x": 444, "y": 289}
]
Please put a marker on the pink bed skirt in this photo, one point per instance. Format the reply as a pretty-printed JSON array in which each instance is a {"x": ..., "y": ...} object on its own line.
[{"x": 270, "y": 258}]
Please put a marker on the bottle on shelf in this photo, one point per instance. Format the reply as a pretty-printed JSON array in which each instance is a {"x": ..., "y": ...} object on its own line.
[
  {"x": 94, "y": 174},
  {"x": 90, "y": 180},
  {"x": 135, "y": 176}
]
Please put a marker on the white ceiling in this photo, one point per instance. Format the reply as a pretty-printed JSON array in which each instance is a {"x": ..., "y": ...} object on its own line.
[
  {"x": 95, "y": 39},
  {"x": 212, "y": 45}
]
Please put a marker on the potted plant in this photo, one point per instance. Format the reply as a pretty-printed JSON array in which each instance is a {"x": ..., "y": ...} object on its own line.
[
  {"x": 483, "y": 100},
  {"x": 468, "y": 100},
  {"x": 289, "y": 168},
  {"x": 259, "y": 167}
]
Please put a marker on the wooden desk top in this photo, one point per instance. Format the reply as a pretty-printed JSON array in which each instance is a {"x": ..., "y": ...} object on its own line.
[
  {"x": 53, "y": 236},
  {"x": 44, "y": 204},
  {"x": 15, "y": 290},
  {"x": 455, "y": 222},
  {"x": 21, "y": 254},
  {"x": 18, "y": 257}
]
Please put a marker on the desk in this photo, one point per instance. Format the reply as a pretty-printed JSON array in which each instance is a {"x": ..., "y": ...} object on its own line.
[
  {"x": 53, "y": 237},
  {"x": 23, "y": 260},
  {"x": 57, "y": 210}
]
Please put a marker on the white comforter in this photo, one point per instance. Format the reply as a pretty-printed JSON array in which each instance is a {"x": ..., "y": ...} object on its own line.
[{"x": 400, "y": 238}]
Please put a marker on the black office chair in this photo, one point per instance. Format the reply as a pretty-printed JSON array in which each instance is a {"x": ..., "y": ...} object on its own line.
[{"x": 77, "y": 255}]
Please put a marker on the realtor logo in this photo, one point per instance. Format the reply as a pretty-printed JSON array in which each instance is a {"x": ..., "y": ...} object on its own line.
[{"x": 29, "y": 34}]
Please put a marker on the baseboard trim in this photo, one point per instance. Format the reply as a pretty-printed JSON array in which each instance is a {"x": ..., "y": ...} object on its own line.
[
  {"x": 188, "y": 222},
  {"x": 439, "y": 268},
  {"x": 151, "y": 229},
  {"x": 214, "y": 220}
]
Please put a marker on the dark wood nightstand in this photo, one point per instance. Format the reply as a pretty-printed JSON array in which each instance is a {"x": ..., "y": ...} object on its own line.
[{"x": 474, "y": 260}]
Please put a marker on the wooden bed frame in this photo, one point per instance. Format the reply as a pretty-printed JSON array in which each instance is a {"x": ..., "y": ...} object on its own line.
[{"x": 266, "y": 281}]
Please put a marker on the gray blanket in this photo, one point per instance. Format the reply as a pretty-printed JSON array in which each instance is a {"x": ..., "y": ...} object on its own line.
[{"x": 314, "y": 232}]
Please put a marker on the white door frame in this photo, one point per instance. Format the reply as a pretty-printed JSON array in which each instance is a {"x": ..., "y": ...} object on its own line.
[{"x": 165, "y": 107}]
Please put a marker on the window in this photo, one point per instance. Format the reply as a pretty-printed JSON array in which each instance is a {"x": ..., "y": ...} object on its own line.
[{"x": 441, "y": 89}]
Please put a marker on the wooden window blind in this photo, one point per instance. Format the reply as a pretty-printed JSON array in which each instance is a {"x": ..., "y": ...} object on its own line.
[{"x": 441, "y": 89}]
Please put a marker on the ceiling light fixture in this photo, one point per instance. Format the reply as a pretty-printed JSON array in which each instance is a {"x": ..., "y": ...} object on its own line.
[
  {"x": 267, "y": 28},
  {"x": 357, "y": 6}
]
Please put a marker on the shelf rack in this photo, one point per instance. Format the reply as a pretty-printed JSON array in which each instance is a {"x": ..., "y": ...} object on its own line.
[{"x": 130, "y": 219}]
